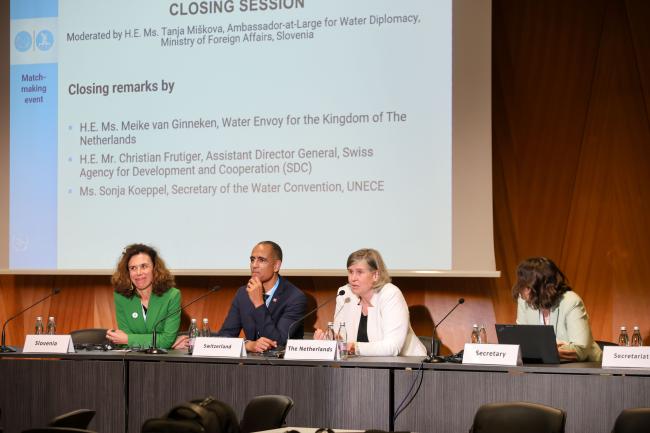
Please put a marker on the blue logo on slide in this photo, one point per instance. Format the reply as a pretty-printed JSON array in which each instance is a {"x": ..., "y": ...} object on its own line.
[
  {"x": 23, "y": 41},
  {"x": 44, "y": 40}
]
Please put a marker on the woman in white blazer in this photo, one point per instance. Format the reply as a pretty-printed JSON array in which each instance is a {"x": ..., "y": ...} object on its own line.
[{"x": 374, "y": 310}]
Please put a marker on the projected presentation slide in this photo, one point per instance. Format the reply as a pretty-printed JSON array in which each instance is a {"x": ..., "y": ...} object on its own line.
[{"x": 202, "y": 127}]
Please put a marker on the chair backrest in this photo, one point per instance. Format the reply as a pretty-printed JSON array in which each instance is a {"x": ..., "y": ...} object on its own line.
[
  {"x": 518, "y": 417},
  {"x": 58, "y": 430},
  {"x": 633, "y": 421},
  {"x": 427, "y": 343},
  {"x": 603, "y": 343},
  {"x": 90, "y": 336},
  {"x": 265, "y": 412},
  {"x": 76, "y": 419}
]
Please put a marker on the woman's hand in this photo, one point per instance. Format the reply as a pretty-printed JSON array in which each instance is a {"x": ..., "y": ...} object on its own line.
[
  {"x": 181, "y": 343},
  {"x": 319, "y": 334},
  {"x": 117, "y": 336},
  {"x": 566, "y": 354}
]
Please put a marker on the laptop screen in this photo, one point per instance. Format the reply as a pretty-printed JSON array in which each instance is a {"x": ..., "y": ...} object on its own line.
[{"x": 537, "y": 342}]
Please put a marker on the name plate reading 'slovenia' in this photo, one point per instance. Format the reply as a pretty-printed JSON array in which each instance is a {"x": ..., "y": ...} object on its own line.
[
  {"x": 48, "y": 344},
  {"x": 492, "y": 354},
  {"x": 318, "y": 350},
  {"x": 623, "y": 356},
  {"x": 219, "y": 346}
]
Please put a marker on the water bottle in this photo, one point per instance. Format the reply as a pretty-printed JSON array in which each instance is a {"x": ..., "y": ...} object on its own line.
[
  {"x": 329, "y": 334},
  {"x": 192, "y": 333},
  {"x": 342, "y": 339},
  {"x": 205, "y": 330},
  {"x": 623, "y": 339},
  {"x": 482, "y": 335},
  {"x": 51, "y": 326},
  {"x": 476, "y": 336},
  {"x": 38, "y": 329},
  {"x": 636, "y": 337}
]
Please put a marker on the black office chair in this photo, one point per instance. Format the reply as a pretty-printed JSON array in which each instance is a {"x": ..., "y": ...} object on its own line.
[
  {"x": 82, "y": 338},
  {"x": 427, "y": 342},
  {"x": 603, "y": 343},
  {"x": 76, "y": 419},
  {"x": 265, "y": 412},
  {"x": 58, "y": 430},
  {"x": 518, "y": 417},
  {"x": 633, "y": 421}
]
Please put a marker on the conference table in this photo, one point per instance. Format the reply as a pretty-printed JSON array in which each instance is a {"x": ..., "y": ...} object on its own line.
[{"x": 126, "y": 388}]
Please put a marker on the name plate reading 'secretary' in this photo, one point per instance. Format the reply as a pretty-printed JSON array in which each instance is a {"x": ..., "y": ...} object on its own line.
[
  {"x": 623, "y": 356},
  {"x": 318, "y": 350},
  {"x": 492, "y": 354},
  {"x": 219, "y": 347},
  {"x": 48, "y": 344}
]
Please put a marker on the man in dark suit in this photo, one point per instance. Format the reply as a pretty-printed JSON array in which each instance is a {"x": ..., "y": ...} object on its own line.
[{"x": 267, "y": 305}]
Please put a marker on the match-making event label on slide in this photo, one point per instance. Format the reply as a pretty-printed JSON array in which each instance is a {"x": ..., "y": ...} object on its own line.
[{"x": 202, "y": 127}]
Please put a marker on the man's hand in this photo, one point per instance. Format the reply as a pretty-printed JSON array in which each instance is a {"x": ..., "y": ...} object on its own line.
[
  {"x": 262, "y": 344},
  {"x": 255, "y": 291}
]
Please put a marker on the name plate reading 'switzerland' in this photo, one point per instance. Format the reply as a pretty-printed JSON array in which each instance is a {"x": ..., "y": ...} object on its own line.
[
  {"x": 623, "y": 356},
  {"x": 48, "y": 344},
  {"x": 492, "y": 354},
  {"x": 318, "y": 350},
  {"x": 219, "y": 346}
]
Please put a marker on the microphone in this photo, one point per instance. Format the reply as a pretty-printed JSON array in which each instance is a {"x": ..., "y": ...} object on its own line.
[
  {"x": 3, "y": 348},
  {"x": 435, "y": 343},
  {"x": 153, "y": 350},
  {"x": 345, "y": 301},
  {"x": 340, "y": 292}
]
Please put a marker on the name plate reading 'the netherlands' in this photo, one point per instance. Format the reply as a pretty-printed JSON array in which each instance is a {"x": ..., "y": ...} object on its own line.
[
  {"x": 492, "y": 354},
  {"x": 623, "y": 356},
  {"x": 219, "y": 346},
  {"x": 48, "y": 344},
  {"x": 318, "y": 350}
]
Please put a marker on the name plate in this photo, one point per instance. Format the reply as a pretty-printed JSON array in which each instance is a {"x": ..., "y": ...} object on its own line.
[
  {"x": 492, "y": 354},
  {"x": 318, "y": 350},
  {"x": 219, "y": 347},
  {"x": 623, "y": 356},
  {"x": 48, "y": 344}
]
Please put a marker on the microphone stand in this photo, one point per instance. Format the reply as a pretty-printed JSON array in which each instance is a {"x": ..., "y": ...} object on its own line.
[
  {"x": 433, "y": 357},
  {"x": 340, "y": 292},
  {"x": 154, "y": 350},
  {"x": 3, "y": 347}
]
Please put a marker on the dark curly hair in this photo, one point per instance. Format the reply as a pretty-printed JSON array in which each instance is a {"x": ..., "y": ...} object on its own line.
[
  {"x": 121, "y": 280},
  {"x": 546, "y": 281}
]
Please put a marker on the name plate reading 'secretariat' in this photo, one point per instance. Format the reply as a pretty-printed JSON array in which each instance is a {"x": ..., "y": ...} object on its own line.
[
  {"x": 623, "y": 356},
  {"x": 318, "y": 350},
  {"x": 492, "y": 354},
  {"x": 219, "y": 346},
  {"x": 48, "y": 344}
]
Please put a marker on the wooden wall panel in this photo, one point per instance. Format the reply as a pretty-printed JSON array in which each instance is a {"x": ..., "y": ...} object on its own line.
[{"x": 571, "y": 152}]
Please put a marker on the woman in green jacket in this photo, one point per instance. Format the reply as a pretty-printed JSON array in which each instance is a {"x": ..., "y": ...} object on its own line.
[{"x": 144, "y": 294}]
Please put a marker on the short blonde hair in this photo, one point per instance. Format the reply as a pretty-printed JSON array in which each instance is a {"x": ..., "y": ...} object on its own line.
[{"x": 375, "y": 263}]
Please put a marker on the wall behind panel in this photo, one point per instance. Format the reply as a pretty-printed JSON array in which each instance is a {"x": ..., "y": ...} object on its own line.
[{"x": 571, "y": 152}]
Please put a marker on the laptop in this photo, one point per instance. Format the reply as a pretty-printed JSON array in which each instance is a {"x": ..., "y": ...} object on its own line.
[{"x": 537, "y": 342}]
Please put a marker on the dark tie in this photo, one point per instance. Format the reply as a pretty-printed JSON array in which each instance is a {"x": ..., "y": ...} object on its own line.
[{"x": 265, "y": 296}]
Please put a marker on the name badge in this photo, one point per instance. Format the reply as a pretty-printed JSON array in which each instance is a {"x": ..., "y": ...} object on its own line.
[
  {"x": 492, "y": 354},
  {"x": 317, "y": 350},
  {"x": 623, "y": 356},
  {"x": 48, "y": 344},
  {"x": 219, "y": 347}
]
